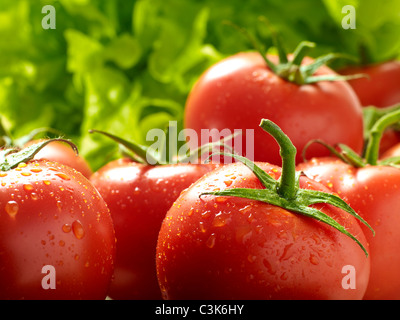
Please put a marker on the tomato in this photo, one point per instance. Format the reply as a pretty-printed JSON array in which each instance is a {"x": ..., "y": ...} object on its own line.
[
  {"x": 393, "y": 151},
  {"x": 264, "y": 233},
  {"x": 62, "y": 153},
  {"x": 390, "y": 139},
  {"x": 240, "y": 90},
  {"x": 373, "y": 191},
  {"x": 57, "y": 238},
  {"x": 139, "y": 196},
  {"x": 218, "y": 247},
  {"x": 382, "y": 86}
]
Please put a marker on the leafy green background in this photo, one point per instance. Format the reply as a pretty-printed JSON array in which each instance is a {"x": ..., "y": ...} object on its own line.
[{"x": 127, "y": 66}]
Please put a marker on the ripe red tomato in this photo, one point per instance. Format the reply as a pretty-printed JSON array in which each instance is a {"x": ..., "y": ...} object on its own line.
[
  {"x": 374, "y": 193},
  {"x": 240, "y": 90},
  {"x": 393, "y": 151},
  {"x": 63, "y": 153},
  {"x": 382, "y": 86},
  {"x": 221, "y": 247},
  {"x": 139, "y": 196},
  {"x": 55, "y": 229}
]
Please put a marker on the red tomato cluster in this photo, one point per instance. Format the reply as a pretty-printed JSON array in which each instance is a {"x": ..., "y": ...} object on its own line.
[{"x": 273, "y": 227}]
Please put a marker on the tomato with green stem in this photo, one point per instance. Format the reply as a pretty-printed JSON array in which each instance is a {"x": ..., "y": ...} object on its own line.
[
  {"x": 56, "y": 233},
  {"x": 304, "y": 97},
  {"x": 139, "y": 195},
  {"x": 57, "y": 151},
  {"x": 257, "y": 231},
  {"x": 371, "y": 186}
]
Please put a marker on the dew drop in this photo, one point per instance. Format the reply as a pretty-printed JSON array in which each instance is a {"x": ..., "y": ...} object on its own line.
[
  {"x": 46, "y": 182},
  {"x": 26, "y": 174},
  {"x": 284, "y": 276},
  {"x": 211, "y": 241},
  {"x": 228, "y": 182},
  {"x": 34, "y": 196},
  {"x": 219, "y": 221},
  {"x": 77, "y": 229},
  {"x": 28, "y": 187},
  {"x": 12, "y": 208},
  {"x": 202, "y": 227},
  {"x": 66, "y": 228},
  {"x": 61, "y": 243},
  {"x": 314, "y": 260},
  {"x": 269, "y": 267},
  {"x": 63, "y": 176}
]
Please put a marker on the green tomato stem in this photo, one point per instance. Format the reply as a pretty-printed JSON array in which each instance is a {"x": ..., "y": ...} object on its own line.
[
  {"x": 375, "y": 136},
  {"x": 287, "y": 186}
]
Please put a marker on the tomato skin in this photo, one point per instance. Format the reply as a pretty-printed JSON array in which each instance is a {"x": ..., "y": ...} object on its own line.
[
  {"x": 373, "y": 192},
  {"x": 139, "y": 196},
  {"x": 235, "y": 248},
  {"x": 52, "y": 215},
  {"x": 393, "y": 151},
  {"x": 381, "y": 88},
  {"x": 63, "y": 153},
  {"x": 239, "y": 91}
]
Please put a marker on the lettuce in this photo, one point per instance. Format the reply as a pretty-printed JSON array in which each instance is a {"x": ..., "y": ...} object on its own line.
[{"x": 127, "y": 66}]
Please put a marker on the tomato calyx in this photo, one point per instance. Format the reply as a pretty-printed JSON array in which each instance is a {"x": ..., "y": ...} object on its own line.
[
  {"x": 8, "y": 141},
  {"x": 377, "y": 120},
  {"x": 12, "y": 157},
  {"x": 293, "y": 70},
  {"x": 162, "y": 156},
  {"x": 286, "y": 192}
]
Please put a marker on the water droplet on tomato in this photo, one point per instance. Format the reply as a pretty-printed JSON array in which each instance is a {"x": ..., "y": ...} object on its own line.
[
  {"x": 269, "y": 267},
  {"x": 313, "y": 259},
  {"x": 211, "y": 241},
  {"x": 228, "y": 182},
  {"x": 284, "y": 276},
  {"x": 77, "y": 229},
  {"x": 26, "y": 174},
  {"x": 12, "y": 208},
  {"x": 28, "y": 187},
  {"x": 219, "y": 221},
  {"x": 202, "y": 227},
  {"x": 61, "y": 243},
  {"x": 34, "y": 196},
  {"x": 63, "y": 176},
  {"x": 66, "y": 228},
  {"x": 47, "y": 182}
]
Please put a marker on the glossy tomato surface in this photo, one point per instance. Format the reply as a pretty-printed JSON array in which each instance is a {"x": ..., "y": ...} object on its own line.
[
  {"x": 216, "y": 247},
  {"x": 239, "y": 91},
  {"x": 55, "y": 230},
  {"x": 139, "y": 197},
  {"x": 374, "y": 193},
  {"x": 381, "y": 87}
]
